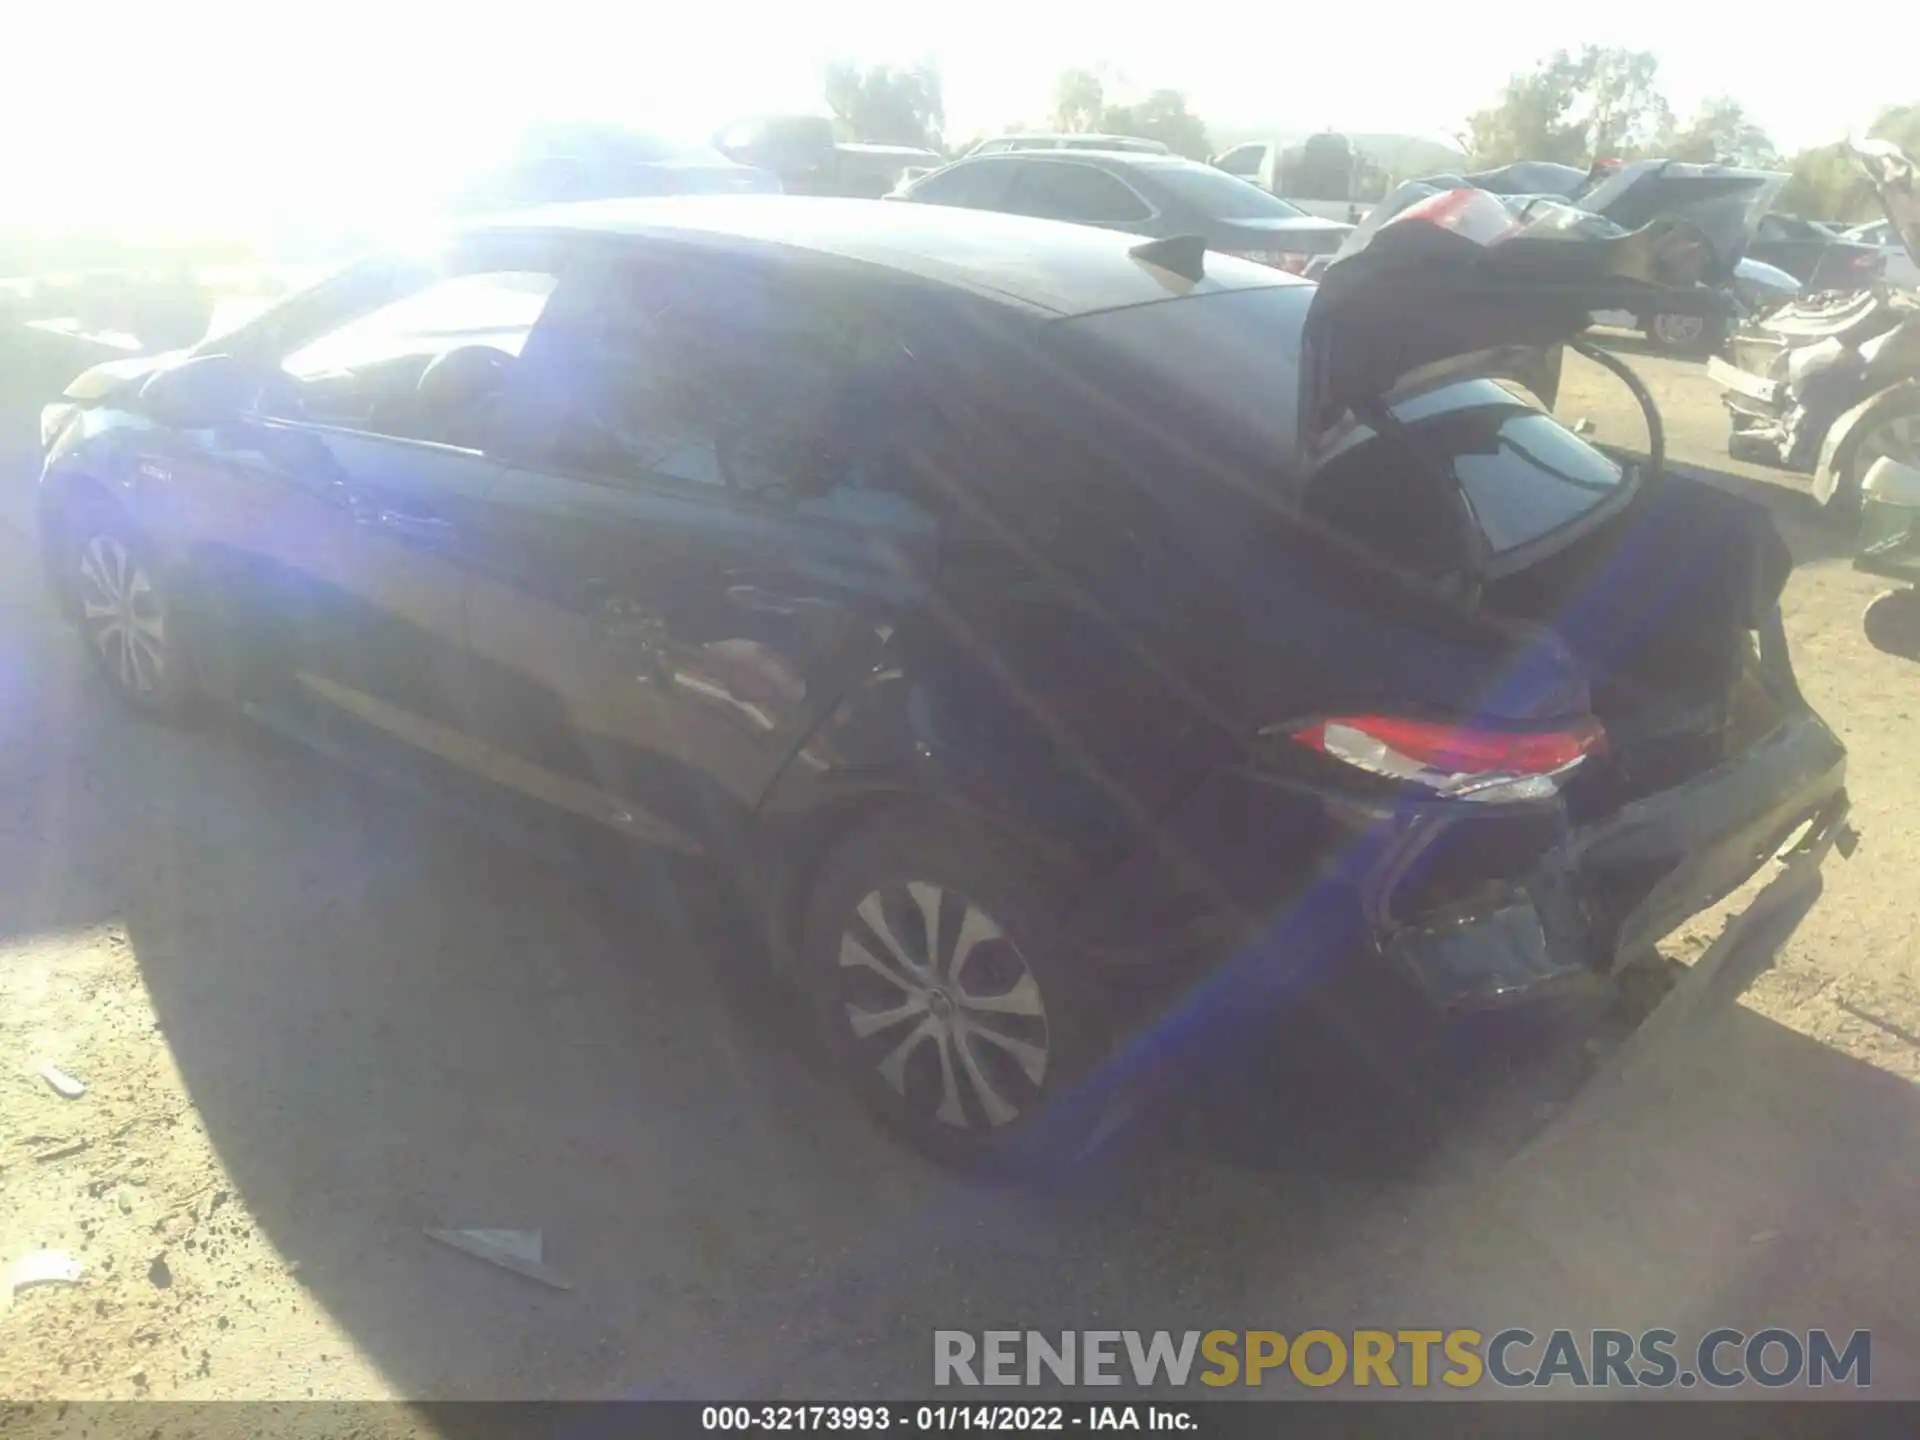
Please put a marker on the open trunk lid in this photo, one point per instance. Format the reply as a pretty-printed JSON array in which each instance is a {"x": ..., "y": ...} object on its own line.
[
  {"x": 1662, "y": 598},
  {"x": 1443, "y": 285}
]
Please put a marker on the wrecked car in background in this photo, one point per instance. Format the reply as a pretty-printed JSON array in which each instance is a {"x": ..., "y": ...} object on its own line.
[
  {"x": 1831, "y": 384},
  {"x": 1630, "y": 195}
]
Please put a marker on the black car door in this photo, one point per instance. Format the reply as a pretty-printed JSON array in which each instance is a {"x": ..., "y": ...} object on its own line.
[
  {"x": 341, "y": 509},
  {"x": 698, "y": 549}
]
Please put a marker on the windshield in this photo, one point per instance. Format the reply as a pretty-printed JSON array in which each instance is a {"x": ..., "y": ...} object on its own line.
[{"x": 1221, "y": 196}]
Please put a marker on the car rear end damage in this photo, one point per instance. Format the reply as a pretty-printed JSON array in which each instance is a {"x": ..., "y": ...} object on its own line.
[
  {"x": 1586, "y": 733},
  {"x": 1481, "y": 906}
]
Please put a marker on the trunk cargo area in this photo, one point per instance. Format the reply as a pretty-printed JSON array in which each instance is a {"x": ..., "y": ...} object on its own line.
[{"x": 1662, "y": 607}]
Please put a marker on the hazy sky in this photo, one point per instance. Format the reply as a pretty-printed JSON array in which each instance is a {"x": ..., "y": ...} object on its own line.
[{"x": 226, "y": 110}]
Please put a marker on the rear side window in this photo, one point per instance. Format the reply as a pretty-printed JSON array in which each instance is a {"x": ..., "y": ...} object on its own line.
[
  {"x": 1244, "y": 161},
  {"x": 974, "y": 187},
  {"x": 706, "y": 377},
  {"x": 1084, "y": 194}
]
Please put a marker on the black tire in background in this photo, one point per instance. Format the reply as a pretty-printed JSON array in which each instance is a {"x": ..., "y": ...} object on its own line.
[{"x": 944, "y": 990}]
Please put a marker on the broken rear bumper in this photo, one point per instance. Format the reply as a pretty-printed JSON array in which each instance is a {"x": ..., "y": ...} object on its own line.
[{"x": 1613, "y": 889}]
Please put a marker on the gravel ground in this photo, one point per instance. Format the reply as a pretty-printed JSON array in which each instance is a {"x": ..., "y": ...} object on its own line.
[{"x": 314, "y": 1019}]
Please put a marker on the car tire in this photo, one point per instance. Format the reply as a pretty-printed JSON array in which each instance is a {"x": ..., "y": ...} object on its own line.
[
  {"x": 124, "y": 603},
  {"x": 945, "y": 992},
  {"x": 1892, "y": 623}
]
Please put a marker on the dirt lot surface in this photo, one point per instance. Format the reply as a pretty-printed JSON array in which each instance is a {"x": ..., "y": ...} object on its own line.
[{"x": 314, "y": 1019}]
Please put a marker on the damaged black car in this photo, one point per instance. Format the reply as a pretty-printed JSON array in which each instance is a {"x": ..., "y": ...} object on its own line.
[{"x": 1055, "y": 633}]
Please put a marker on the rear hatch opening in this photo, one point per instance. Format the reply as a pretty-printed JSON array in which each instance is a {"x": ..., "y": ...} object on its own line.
[{"x": 1666, "y": 609}]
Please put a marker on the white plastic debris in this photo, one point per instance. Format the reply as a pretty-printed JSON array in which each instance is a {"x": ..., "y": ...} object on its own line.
[
  {"x": 515, "y": 1250},
  {"x": 1582, "y": 426},
  {"x": 45, "y": 1267},
  {"x": 63, "y": 1084}
]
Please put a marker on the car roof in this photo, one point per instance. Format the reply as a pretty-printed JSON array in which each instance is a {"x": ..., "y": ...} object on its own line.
[
  {"x": 1112, "y": 159},
  {"x": 1043, "y": 266},
  {"x": 1081, "y": 138}
]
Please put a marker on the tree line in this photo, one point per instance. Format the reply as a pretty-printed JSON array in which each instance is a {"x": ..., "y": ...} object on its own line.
[
  {"x": 1574, "y": 107},
  {"x": 1605, "y": 101}
]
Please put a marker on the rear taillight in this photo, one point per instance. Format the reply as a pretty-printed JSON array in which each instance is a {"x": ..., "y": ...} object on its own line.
[
  {"x": 1292, "y": 261},
  {"x": 1461, "y": 762},
  {"x": 1866, "y": 262}
]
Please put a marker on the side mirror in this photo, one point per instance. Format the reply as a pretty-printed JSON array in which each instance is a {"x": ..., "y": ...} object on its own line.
[{"x": 200, "y": 393}]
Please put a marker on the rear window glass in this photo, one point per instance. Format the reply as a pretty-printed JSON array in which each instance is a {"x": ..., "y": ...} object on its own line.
[
  {"x": 976, "y": 187},
  {"x": 1228, "y": 366},
  {"x": 1221, "y": 196},
  {"x": 1526, "y": 474}
]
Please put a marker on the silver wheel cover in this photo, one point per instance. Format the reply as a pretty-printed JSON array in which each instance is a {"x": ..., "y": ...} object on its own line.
[
  {"x": 122, "y": 614},
  {"x": 944, "y": 1006}
]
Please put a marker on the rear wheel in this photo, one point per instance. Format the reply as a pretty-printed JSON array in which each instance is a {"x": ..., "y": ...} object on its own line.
[
  {"x": 127, "y": 615},
  {"x": 945, "y": 992}
]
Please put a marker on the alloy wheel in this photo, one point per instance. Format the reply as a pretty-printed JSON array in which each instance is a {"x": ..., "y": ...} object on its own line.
[
  {"x": 123, "y": 615},
  {"x": 1679, "y": 332},
  {"x": 943, "y": 1006}
]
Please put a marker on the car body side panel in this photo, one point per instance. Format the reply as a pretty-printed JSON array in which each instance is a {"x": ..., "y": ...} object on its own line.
[{"x": 669, "y": 651}]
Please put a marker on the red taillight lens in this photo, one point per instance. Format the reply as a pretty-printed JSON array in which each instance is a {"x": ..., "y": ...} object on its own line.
[{"x": 1466, "y": 762}]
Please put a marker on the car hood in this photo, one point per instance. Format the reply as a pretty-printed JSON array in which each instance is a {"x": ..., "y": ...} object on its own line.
[
  {"x": 1897, "y": 180},
  {"x": 1442, "y": 285},
  {"x": 117, "y": 376}
]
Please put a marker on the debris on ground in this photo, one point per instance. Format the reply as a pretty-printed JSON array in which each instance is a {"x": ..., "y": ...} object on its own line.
[
  {"x": 61, "y": 1152},
  {"x": 64, "y": 1085},
  {"x": 515, "y": 1250},
  {"x": 45, "y": 1267}
]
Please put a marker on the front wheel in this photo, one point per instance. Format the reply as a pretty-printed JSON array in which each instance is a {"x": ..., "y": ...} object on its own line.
[
  {"x": 948, "y": 996},
  {"x": 127, "y": 616}
]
